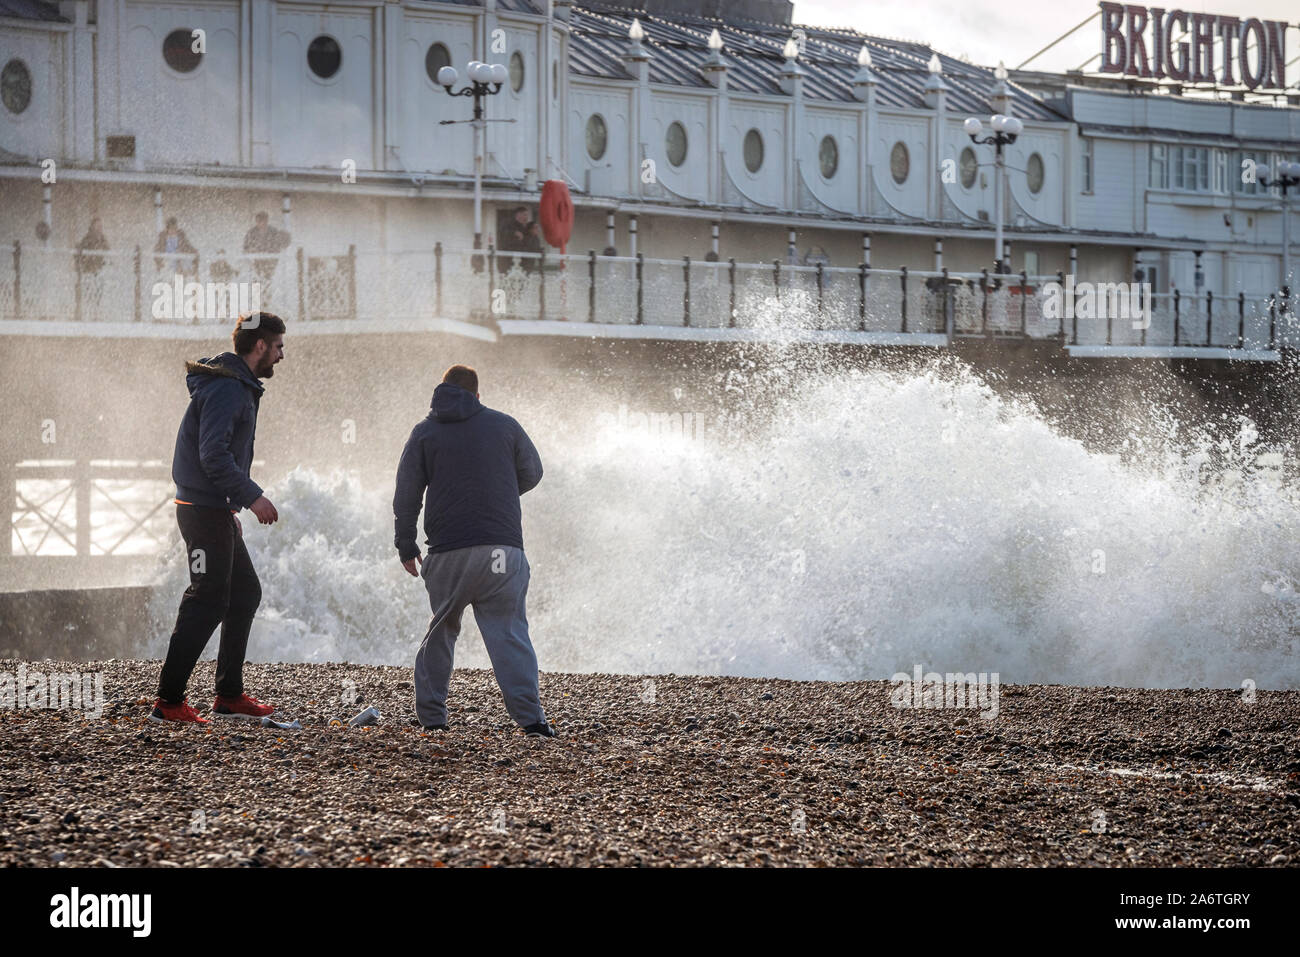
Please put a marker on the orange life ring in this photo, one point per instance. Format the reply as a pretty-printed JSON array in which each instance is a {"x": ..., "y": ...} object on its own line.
[{"x": 556, "y": 213}]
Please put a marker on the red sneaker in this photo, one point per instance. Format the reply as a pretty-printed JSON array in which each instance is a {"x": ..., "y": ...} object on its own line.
[
  {"x": 183, "y": 713},
  {"x": 243, "y": 708}
]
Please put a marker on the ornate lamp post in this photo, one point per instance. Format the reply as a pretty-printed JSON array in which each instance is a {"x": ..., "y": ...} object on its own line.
[
  {"x": 485, "y": 79},
  {"x": 1287, "y": 176},
  {"x": 1005, "y": 131}
]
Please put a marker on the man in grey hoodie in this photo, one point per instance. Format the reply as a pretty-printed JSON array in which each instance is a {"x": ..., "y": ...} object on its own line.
[{"x": 469, "y": 464}]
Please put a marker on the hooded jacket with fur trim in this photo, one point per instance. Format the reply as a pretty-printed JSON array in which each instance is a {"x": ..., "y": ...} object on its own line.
[{"x": 214, "y": 446}]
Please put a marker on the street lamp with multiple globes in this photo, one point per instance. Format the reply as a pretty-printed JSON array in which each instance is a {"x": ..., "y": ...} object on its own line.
[
  {"x": 1005, "y": 131},
  {"x": 486, "y": 79},
  {"x": 1286, "y": 175}
]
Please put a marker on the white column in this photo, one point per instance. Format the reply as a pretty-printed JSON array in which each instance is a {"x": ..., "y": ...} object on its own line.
[
  {"x": 107, "y": 79},
  {"x": 390, "y": 130},
  {"x": 261, "y": 63}
]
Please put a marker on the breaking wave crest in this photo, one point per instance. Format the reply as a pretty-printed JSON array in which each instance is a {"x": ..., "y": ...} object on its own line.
[{"x": 867, "y": 521}]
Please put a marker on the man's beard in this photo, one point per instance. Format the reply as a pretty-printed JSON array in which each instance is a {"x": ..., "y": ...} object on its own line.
[{"x": 265, "y": 370}]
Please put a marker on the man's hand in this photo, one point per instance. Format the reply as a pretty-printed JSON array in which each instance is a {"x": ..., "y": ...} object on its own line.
[
  {"x": 264, "y": 510},
  {"x": 412, "y": 566}
]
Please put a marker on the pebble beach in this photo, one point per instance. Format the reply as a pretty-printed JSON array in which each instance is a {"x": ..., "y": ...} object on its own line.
[{"x": 650, "y": 771}]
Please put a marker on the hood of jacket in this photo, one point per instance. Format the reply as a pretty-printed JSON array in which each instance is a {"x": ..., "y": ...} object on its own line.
[
  {"x": 451, "y": 403},
  {"x": 227, "y": 365}
]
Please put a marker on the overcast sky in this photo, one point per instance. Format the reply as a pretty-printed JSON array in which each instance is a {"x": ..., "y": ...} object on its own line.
[{"x": 986, "y": 31}]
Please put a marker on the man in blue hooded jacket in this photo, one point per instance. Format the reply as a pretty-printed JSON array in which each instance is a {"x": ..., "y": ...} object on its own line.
[
  {"x": 470, "y": 464},
  {"x": 214, "y": 453}
]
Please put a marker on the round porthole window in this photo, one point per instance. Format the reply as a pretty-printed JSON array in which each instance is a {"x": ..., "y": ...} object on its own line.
[
  {"x": 16, "y": 86},
  {"x": 899, "y": 163},
  {"x": 675, "y": 143},
  {"x": 1034, "y": 173},
  {"x": 437, "y": 57},
  {"x": 828, "y": 157},
  {"x": 753, "y": 151},
  {"x": 516, "y": 71},
  {"x": 324, "y": 56},
  {"x": 969, "y": 168},
  {"x": 178, "y": 51},
  {"x": 597, "y": 136}
]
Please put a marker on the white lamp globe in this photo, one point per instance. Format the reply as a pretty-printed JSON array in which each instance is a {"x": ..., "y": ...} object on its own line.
[
  {"x": 998, "y": 122},
  {"x": 1263, "y": 173},
  {"x": 972, "y": 126},
  {"x": 448, "y": 76},
  {"x": 1013, "y": 126},
  {"x": 499, "y": 73}
]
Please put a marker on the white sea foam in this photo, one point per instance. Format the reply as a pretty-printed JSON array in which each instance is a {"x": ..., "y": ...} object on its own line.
[{"x": 871, "y": 521}]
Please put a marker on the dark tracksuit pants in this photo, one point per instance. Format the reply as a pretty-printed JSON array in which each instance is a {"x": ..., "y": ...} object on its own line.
[{"x": 223, "y": 590}]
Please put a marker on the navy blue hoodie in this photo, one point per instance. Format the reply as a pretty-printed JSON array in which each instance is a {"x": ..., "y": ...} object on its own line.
[
  {"x": 474, "y": 463},
  {"x": 214, "y": 446}
]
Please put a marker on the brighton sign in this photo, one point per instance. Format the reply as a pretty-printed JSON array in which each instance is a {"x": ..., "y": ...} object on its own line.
[{"x": 1156, "y": 43}]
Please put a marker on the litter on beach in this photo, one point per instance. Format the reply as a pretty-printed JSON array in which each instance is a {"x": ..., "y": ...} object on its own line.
[{"x": 284, "y": 726}]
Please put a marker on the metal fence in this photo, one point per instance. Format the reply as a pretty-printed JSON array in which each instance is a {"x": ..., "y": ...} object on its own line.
[
  {"x": 87, "y": 508},
  {"x": 493, "y": 285},
  {"x": 133, "y": 285}
]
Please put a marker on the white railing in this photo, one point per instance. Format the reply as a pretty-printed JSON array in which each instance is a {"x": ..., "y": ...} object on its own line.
[{"x": 488, "y": 286}]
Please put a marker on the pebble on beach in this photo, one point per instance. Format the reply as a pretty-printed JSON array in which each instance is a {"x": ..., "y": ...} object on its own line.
[{"x": 708, "y": 771}]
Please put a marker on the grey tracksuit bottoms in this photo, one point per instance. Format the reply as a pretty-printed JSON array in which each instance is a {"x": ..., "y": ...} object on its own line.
[{"x": 493, "y": 579}]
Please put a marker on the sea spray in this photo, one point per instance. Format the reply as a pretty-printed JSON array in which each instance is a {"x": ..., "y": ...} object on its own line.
[{"x": 842, "y": 525}]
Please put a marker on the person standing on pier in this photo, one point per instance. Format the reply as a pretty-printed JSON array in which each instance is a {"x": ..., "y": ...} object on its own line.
[
  {"x": 214, "y": 453},
  {"x": 474, "y": 463}
]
